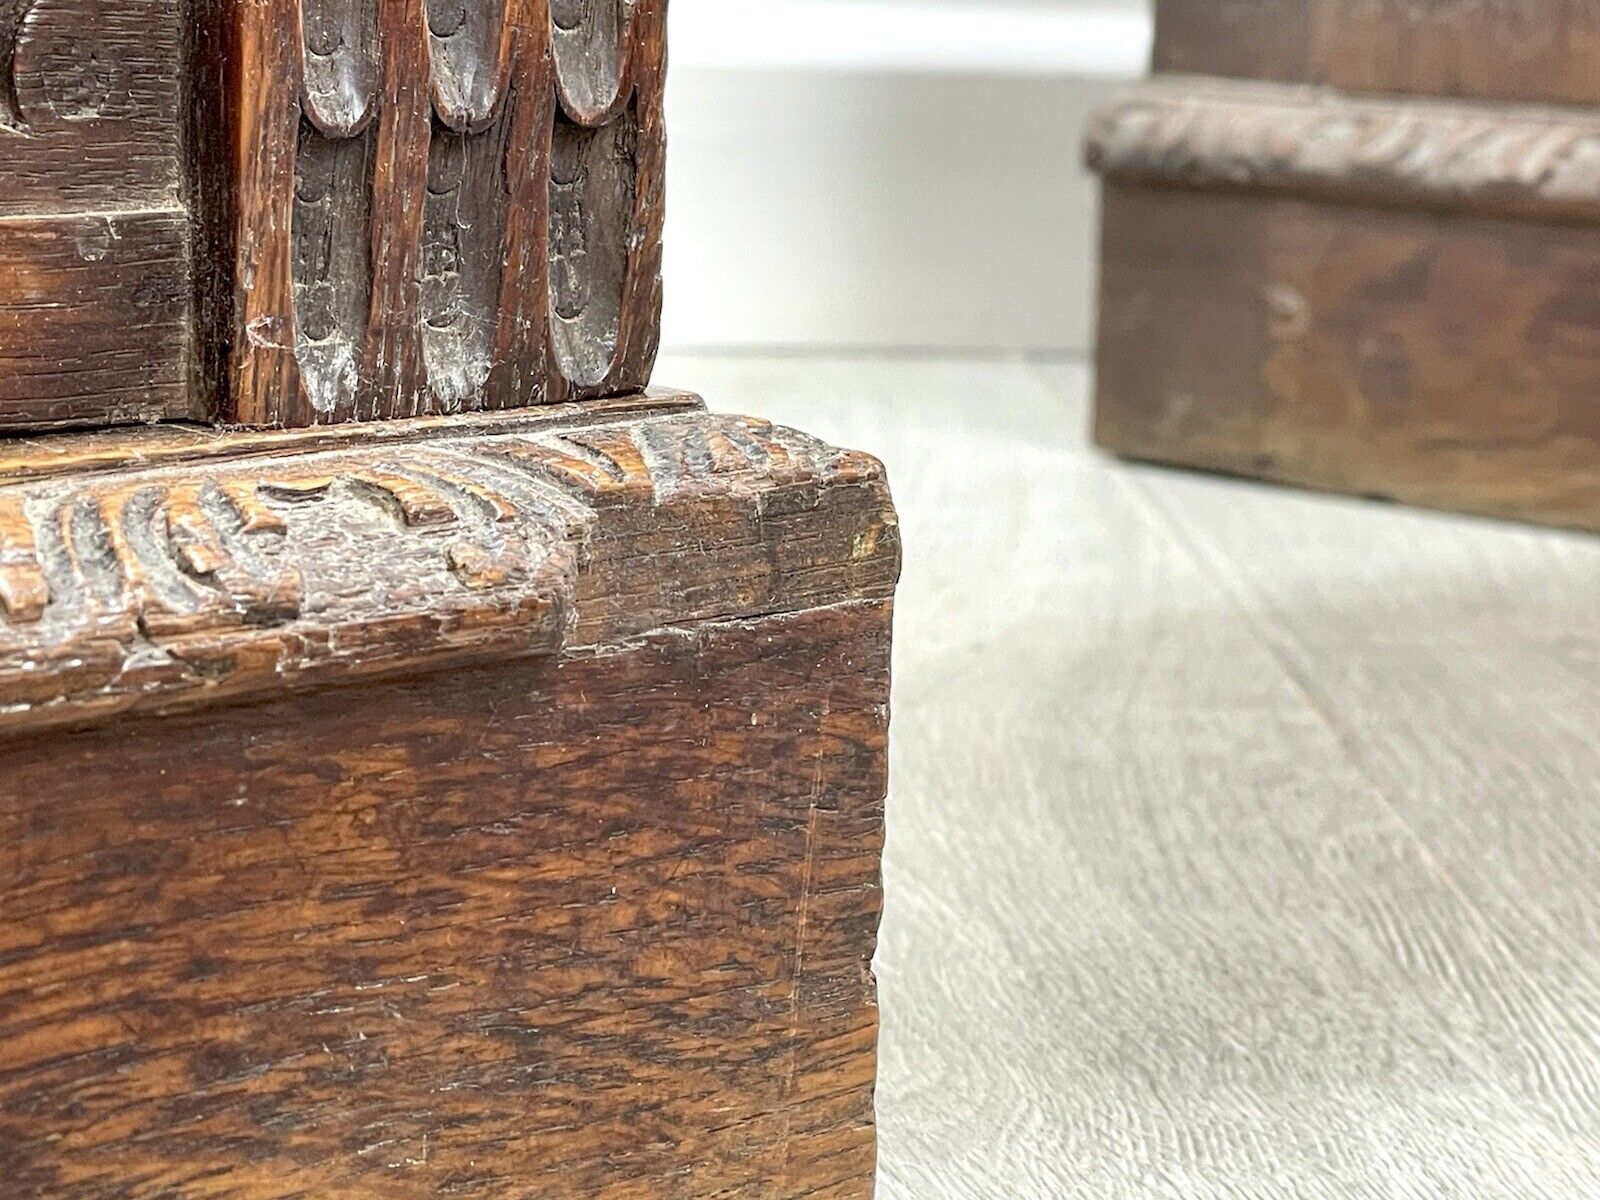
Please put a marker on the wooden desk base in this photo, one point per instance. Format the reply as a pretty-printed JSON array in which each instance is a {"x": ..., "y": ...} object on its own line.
[{"x": 570, "y": 889}]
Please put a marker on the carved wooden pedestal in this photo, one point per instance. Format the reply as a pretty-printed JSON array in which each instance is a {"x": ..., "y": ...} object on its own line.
[
  {"x": 1353, "y": 244},
  {"x": 469, "y": 785},
  {"x": 475, "y": 808}
]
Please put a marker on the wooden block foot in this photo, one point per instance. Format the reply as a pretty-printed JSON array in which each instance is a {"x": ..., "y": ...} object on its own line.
[{"x": 487, "y": 808}]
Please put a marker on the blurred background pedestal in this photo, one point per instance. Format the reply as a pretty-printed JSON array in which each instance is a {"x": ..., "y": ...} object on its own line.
[{"x": 1353, "y": 246}]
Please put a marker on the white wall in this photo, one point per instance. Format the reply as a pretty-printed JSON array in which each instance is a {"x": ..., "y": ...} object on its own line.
[{"x": 887, "y": 173}]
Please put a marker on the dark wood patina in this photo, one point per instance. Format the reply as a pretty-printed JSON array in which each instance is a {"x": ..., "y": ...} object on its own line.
[{"x": 300, "y": 212}]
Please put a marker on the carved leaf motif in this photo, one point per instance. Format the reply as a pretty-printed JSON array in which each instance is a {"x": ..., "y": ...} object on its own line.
[
  {"x": 469, "y": 43},
  {"x": 464, "y": 222},
  {"x": 339, "y": 40},
  {"x": 24, "y": 589},
  {"x": 171, "y": 587},
  {"x": 332, "y": 264},
  {"x": 593, "y": 175},
  {"x": 589, "y": 37},
  {"x": 1313, "y": 143},
  {"x": 13, "y": 17},
  {"x": 219, "y": 549},
  {"x": 420, "y": 274}
]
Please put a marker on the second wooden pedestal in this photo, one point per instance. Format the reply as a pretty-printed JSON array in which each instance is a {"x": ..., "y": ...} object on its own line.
[{"x": 1387, "y": 289}]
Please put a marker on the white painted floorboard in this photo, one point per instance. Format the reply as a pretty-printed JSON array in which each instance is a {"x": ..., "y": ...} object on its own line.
[{"x": 1244, "y": 843}]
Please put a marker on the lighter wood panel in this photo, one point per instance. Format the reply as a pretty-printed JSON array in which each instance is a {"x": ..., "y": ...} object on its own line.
[
  {"x": 1538, "y": 50},
  {"x": 1441, "y": 361}
]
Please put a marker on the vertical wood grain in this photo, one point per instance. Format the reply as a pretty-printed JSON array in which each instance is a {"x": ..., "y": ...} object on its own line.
[{"x": 423, "y": 259}]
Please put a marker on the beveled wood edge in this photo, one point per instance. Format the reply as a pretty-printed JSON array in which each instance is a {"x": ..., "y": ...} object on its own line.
[
  {"x": 169, "y": 571},
  {"x": 53, "y": 453},
  {"x": 1525, "y": 161}
]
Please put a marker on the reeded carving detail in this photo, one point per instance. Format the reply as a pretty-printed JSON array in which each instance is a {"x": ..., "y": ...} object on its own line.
[
  {"x": 163, "y": 588},
  {"x": 507, "y": 213},
  {"x": 592, "y": 171},
  {"x": 590, "y": 40},
  {"x": 1308, "y": 141}
]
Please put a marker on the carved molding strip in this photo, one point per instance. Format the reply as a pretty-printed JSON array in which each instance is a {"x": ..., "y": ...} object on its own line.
[
  {"x": 1537, "y": 162},
  {"x": 159, "y": 589}
]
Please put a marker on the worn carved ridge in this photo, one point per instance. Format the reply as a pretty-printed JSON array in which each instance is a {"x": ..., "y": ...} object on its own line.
[
  {"x": 469, "y": 45},
  {"x": 13, "y": 17},
  {"x": 339, "y": 64},
  {"x": 592, "y": 175},
  {"x": 332, "y": 231},
  {"x": 464, "y": 227},
  {"x": 589, "y": 40},
  {"x": 150, "y": 590},
  {"x": 1532, "y": 161}
]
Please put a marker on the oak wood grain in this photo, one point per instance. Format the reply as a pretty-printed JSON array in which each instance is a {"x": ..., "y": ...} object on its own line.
[
  {"x": 1540, "y": 51},
  {"x": 90, "y": 105},
  {"x": 1254, "y": 39},
  {"x": 94, "y": 318},
  {"x": 600, "y": 926},
  {"x": 569, "y": 888}
]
